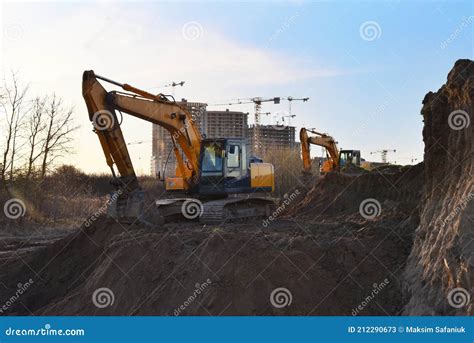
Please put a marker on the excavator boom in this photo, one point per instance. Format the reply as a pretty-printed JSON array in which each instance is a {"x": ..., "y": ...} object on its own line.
[
  {"x": 323, "y": 140},
  {"x": 156, "y": 109},
  {"x": 128, "y": 203}
]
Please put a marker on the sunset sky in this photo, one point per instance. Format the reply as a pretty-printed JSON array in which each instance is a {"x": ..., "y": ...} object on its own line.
[{"x": 366, "y": 67}]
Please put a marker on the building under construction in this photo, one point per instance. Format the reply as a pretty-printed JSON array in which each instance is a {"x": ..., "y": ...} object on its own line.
[
  {"x": 231, "y": 124},
  {"x": 265, "y": 137}
]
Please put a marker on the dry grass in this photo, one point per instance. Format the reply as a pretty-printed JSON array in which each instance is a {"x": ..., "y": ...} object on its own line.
[
  {"x": 66, "y": 197},
  {"x": 288, "y": 169}
]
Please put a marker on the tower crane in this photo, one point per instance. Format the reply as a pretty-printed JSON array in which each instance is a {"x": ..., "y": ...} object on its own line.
[
  {"x": 173, "y": 84},
  {"x": 383, "y": 153},
  {"x": 282, "y": 117},
  {"x": 291, "y": 99}
]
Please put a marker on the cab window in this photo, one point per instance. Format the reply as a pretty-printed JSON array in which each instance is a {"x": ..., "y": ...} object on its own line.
[
  {"x": 233, "y": 156},
  {"x": 212, "y": 158}
]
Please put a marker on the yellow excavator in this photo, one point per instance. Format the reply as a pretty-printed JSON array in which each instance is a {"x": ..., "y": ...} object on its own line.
[
  {"x": 216, "y": 179},
  {"x": 335, "y": 158}
]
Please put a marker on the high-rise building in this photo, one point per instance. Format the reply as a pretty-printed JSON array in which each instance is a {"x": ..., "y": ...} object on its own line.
[
  {"x": 272, "y": 137},
  {"x": 221, "y": 124}
]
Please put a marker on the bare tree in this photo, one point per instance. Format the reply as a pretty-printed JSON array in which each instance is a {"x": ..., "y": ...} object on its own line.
[
  {"x": 14, "y": 96},
  {"x": 36, "y": 129},
  {"x": 47, "y": 131},
  {"x": 59, "y": 130}
]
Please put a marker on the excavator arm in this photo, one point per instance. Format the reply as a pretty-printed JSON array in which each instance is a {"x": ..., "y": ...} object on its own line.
[
  {"x": 106, "y": 125},
  {"x": 323, "y": 140},
  {"x": 157, "y": 109},
  {"x": 128, "y": 202}
]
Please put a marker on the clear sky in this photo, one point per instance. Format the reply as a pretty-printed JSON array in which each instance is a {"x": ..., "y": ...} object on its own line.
[{"x": 366, "y": 66}]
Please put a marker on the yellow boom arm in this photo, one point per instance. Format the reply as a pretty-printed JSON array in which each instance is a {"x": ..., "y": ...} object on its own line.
[
  {"x": 323, "y": 140},
  {"x": 157, "y": 109}
]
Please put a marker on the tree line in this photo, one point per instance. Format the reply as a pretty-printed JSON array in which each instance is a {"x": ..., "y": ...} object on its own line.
[{"x": 36, "y": 131}]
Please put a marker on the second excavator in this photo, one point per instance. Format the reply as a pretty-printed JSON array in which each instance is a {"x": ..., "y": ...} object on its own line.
[
  {"x": 216, "y": 179},
  {"x": 335, "y": 159}
]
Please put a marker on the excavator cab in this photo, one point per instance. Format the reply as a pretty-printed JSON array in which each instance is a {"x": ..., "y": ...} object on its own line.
[
  {"x": 225, "y": 168},
  {"x": 349, "y": 157}
]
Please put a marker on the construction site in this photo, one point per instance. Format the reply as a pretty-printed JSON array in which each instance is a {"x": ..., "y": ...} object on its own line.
[{"x": 225, "y": 227}]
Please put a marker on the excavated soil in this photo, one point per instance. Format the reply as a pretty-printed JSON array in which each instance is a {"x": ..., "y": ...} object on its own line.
[
  {"x": 330, "y": 262},
  {"x": 440, "y": 267},
  {"x": 327, "y": 247}
]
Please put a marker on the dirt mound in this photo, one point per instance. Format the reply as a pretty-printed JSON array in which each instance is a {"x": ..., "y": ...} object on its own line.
[
  {"x": 54, "y": 269},
  {"x": 353, "y": 169},
  {"x": 212, "y": 271},
  {"x": 442, "y": 256},
  {"x": 338, "y": 194}
]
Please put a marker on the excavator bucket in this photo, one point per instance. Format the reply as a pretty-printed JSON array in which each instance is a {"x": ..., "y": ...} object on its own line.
[
  {"x": 126, "y": 208},
  {"x": 134, "y": 208}
]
